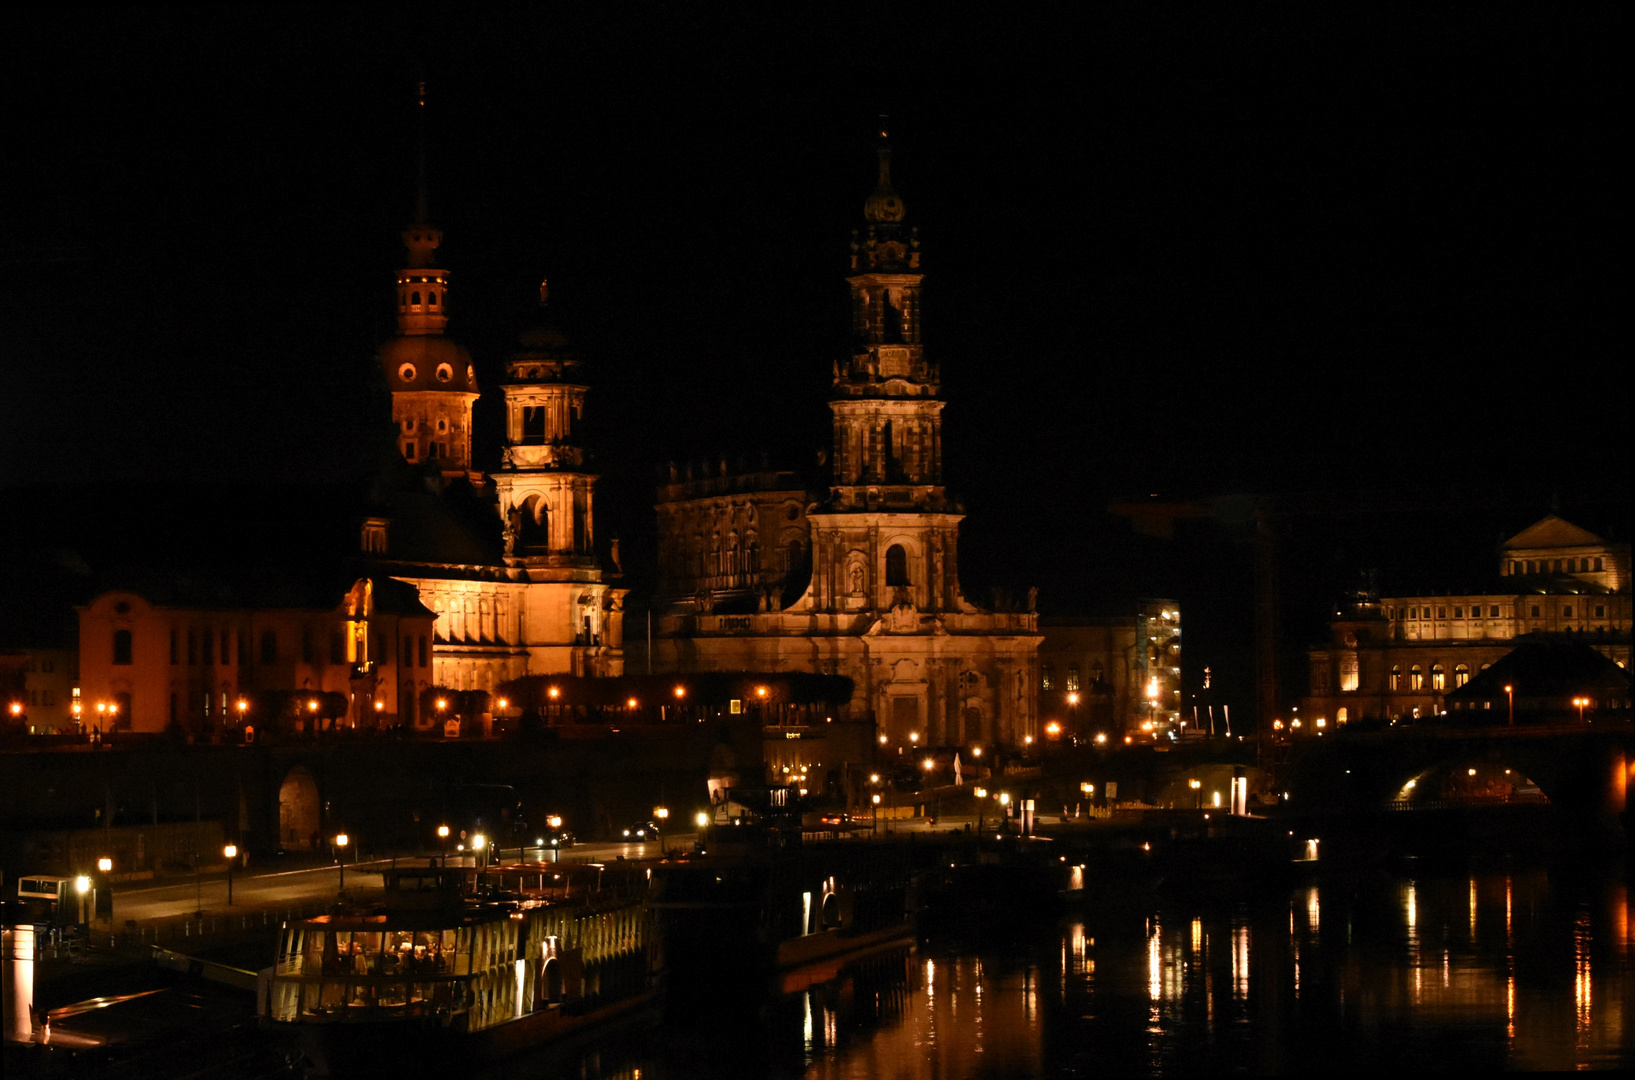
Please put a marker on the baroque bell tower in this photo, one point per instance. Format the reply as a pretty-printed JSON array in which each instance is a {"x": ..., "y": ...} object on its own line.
[
  {"x": 546, "y": 501},
  {"x": 432, "y": 378},
  {"x": 887, "y": 534}
]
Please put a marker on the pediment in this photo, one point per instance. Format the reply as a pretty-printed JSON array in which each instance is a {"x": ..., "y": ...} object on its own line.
[{"x": 1553, "y": 532}]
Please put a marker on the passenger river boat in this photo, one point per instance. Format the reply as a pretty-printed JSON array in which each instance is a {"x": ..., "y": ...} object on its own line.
[{"x": 466, "y": 965}]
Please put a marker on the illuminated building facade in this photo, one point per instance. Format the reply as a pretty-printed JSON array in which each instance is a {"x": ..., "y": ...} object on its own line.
[
  {"x": 1114, "y": 675},
  {"x": 509, "y": 563},
  {"x": 39, "y": 688},
  {"x": 863, "y": 580},
  {"x": 171, "y": 660},
  {"x": 1397, "y": 657}
]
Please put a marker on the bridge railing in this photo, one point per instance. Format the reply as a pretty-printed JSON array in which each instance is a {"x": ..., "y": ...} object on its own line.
[{"x": 1525, "y": 798}]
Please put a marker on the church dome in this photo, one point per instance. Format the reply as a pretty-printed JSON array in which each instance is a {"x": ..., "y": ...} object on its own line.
[{"x": 427, "y": 362}]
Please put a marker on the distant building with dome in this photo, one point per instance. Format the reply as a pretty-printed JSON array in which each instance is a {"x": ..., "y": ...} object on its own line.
[{"x": 1398, "y": 657}]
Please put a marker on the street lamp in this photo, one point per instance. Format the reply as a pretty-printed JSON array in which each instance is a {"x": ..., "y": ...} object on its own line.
[
  {"x": 1197, "y": 785},
  {"x": 1510, "y": 697},
  {"x": 479, "y": 843},
  {"x": 1581, "y": 702},
  {"x": 82, "y": 885},
  {"x": 874, "y": 827},
  {"x": 341, "y": 840},
  {"x": 105, "y": 867},
  {"x": 661, "y": 814},
  {"x": 231, "y": 851}
]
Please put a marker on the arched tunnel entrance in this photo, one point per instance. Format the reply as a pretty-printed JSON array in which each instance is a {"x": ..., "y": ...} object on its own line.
[
  {"x": 298, "y": 811},
  {"x": 1467, "y": 783}
]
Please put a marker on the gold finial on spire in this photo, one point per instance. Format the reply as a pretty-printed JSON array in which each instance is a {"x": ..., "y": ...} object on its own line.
[
  {"x": 422, "y": 200},
  {"x": 884, "y": 207},
  {"x": 544, "y": 292}
]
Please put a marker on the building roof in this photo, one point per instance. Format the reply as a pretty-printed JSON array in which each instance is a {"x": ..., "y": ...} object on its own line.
[
  {"x": 1552, "y": 532},
  {"x": 1546, "y": 666}
]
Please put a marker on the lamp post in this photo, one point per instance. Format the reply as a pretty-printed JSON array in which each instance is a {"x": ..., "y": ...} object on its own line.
[
  {"x": 1510, "y": 697},
  {"x": 105, "y": 867},
  {"x": 875, "y": 827},
  {"x": 242, "y": 706},
  {"x": 479, "y": 846},
  {"x": 1198, "y": 786},
  {"x": 82, "y": 886},
  {"x": 341, "y": 840},
  {"x": 231, "y": 851},
  {"x": 1581, "y": 702},
  {"x": 442, "y": 837},
  {"x": 661, "y": 814}
]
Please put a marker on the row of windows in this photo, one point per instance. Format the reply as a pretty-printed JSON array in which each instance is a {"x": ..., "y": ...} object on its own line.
[
  {"x": 42, "y": 697},
  {"x": 201, "y": 647},
  {"x": 1557, "y": 566},
  {"x": 1493, "y": 611},
  {"x": 1047, "y": 677},
  {"x": 41, "y": 664},
  {"x": 1439, "y": 676},
  {"x": 414, "y": 299}
]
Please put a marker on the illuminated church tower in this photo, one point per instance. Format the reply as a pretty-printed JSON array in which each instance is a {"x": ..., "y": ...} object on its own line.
[
  {"x": 883, "y": 606},
  {"x": 546, "y": 501},
  {"x": 431, "y": 376}
]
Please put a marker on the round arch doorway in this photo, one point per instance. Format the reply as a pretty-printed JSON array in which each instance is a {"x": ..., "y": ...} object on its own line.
[{"x": 298, "y": 811}]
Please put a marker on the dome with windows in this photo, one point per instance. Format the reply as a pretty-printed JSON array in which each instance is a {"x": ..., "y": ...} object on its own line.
[{"x": 427, "y": 362}]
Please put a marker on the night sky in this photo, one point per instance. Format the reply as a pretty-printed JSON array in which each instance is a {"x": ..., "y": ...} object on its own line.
[{"x": 1366, "y": 259}]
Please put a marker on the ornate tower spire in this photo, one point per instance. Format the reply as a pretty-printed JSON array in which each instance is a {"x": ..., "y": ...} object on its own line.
[
  {"x": 887, "y": 415},
  {"x": 884, "y": 207},
  {"x": 432, "y": 378}
]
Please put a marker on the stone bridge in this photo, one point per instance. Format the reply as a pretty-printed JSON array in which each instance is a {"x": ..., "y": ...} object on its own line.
[{"x": 1584, "y": 771}]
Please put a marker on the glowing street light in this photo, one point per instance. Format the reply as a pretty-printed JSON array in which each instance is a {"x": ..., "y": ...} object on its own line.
[
  {"x": 554, "y": 692},
  {"x": 16, "y": 708},
  {"x": 442, "y": 836},
  {"x": 1510, "y": 696},
  {"x": 1581, "y": 702},
  {"x": 341, "y": 840},
  {"x": 680, "y": 691},
  {"x": 701, "y": 819},
  {"x": 1197, "y": 785},
  {"x": 1053, "y": 729},
  {"x": 1101, "y": 738},
  {"x": 231, "y": 851}
]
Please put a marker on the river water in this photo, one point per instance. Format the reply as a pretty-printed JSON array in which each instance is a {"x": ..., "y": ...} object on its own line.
[{"x": 1497, "y": 967}]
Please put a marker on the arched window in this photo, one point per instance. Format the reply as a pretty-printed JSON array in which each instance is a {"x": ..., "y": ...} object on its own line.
[
  {"x": 431, "y": 298},
  {"x": 1341, "y": 715},
  {"x": 896, "y": 566},
  {"x": 1396, "y": 676},
  {"x": 122, "y": 646},
  {"x": 1416, "y": 678},
  {"x": 1439, "y": 678},
  {"x": 1461, "y": 675},
  {"x": 414, "y": 299}
]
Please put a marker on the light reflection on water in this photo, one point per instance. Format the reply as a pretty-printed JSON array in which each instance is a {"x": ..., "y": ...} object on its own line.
[{"x": 1381, "y": 974}]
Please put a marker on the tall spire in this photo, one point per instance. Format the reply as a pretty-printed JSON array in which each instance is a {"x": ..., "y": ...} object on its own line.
[
  {"x": 884, "y": 207},
  {"x": 422, "y": 200}
]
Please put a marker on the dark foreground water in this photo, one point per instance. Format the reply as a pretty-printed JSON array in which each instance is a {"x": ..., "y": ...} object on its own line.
[{"x": 1501, "y": 967}]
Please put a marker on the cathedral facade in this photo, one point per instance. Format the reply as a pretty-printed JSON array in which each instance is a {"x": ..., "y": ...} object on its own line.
[{"x": 861, "y": 580}]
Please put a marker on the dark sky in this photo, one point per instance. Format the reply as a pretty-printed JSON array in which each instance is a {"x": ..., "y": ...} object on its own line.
[{"x": 1367, "y": 253}]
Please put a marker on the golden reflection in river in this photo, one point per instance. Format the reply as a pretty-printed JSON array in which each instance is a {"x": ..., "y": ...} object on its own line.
[
  {"x": 1000, "y": 1028},
  {"x": 1581, "y": 976},
  {"x": 1473, "y": 909},
  {"x": 1314, "y": 910},
  {"x": 1240, "y": 960},
  {"x": 1155, "y": 964}
]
